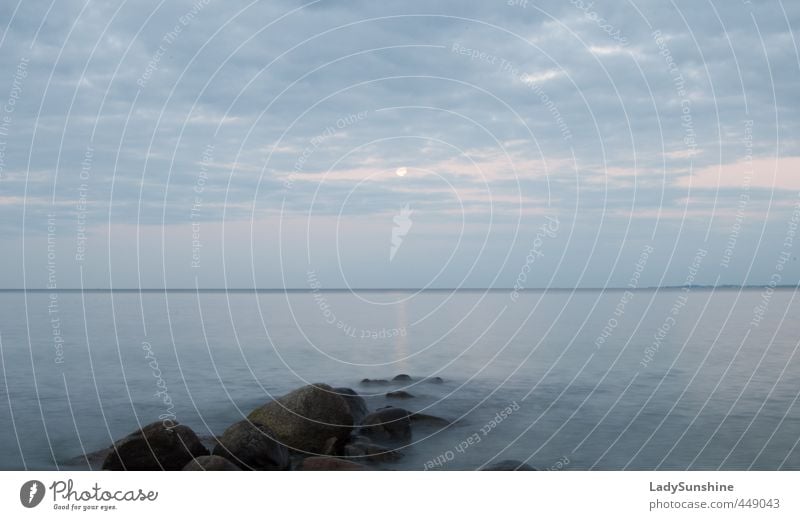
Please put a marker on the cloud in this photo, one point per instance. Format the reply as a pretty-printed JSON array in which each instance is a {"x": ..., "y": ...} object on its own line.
[{"x": 573, "y": 110}]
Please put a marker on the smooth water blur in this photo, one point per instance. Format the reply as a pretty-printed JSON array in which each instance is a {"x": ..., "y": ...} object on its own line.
[{"x": 711, "y": 390}]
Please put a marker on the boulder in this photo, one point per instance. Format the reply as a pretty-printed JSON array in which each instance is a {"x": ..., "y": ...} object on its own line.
[
  {"x": 509, "y": 465},
  {"x": 156, "y": 446},
  {"x": 329, "y": 464},
  {"x": 392, "y": 424},
  {"x": 435, "y": 380},
  {"x": 211, "y": 463},
  {"x": 374, "y": 382},
  {"x": 358, "y": 407},
  {"x": 399, "y": 394},
  {"x": 306, "y": 418},
  {"x": 401, "y": 377},
  {"x": 252, "y": 446}
]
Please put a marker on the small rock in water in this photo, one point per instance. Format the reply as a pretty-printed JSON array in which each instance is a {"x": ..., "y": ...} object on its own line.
[
  {"x": 402, "y": 377},
  {"x": 399, "y": 394},
  {"x": 211, "y": 463},
  {"x": 429, "y": 419},
  {"x": 374, "y": 382},
  {"x": 509, "y": 465},
  {"x": 329, "y": 464},
  {"x": 435, "y": 380}
]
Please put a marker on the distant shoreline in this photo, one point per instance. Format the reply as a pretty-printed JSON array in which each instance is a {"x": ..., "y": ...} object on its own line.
[{"x": 402, "y": 290}]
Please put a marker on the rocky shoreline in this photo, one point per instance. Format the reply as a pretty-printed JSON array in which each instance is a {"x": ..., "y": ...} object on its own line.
[{"x": 313, "y": 428}]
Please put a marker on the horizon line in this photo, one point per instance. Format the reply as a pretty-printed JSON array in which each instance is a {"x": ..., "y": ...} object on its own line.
[{"x": 395, "y": 289}]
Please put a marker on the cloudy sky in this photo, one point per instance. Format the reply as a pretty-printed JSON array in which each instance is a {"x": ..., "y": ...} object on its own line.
[{"x": 398, "y": 144}]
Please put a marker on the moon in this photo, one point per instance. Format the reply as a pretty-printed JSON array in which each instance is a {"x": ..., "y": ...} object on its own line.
[{"x": 402, "y": 171}]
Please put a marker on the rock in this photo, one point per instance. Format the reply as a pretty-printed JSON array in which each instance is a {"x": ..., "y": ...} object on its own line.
[
  {"x": 509, "y": 465},
  {"x": 399, "y": 394},
  {"x": 389, "y": 423},
  {"x": 401, "y": 377},
  {"x": 435, "y": 380},
  {"x": 329, "y": 464},
  {"x": 374, "y": 382},
  {"x": 306, "y": 418},
  {"x": 332, "y": 448},
  {"x": 372, "y": 452},
  {"x": 358, "y": 407},
  {"x": 431, "y": 420},
  {"x": 155, "y": 447},
  {"x": 252, "y": 446},
  {"x": 211, "y": 463}
]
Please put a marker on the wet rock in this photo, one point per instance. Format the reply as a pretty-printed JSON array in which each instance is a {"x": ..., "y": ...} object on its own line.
[
  {"x": 329, "y": 464},
  {"x": 401, "y": 377},
  {"x": 509, "y": 465},
  {"x": 399, "y": 394},
  {"x": 374, "y": 382},
  {"x": 392, "y": 424},
  {"x": 252, "y": 446},
  {"x": 306, "y": 418},
  {"x": 430, "y": 420},
  {"x": 371, "y": 452},
  {"x": 157, "y": 446},
  {"x": 333, "y": 447},
  {"x": 211, "y": 463},
  {"x": 435, "y": 380},
  {"x": 358, "y": 407}
]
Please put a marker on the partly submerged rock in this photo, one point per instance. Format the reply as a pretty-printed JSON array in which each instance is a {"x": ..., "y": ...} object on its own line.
[
  {"x": 157, "y": 446},
  {"x": 358, "y": 407},
  {"x": 306, "y": 418},
  {"x": 374, "y": 382},
  {"x": 211, "y": 463},
  {"x": 392, "y": 424},
  {"x": 252, "y": 446},
  {"x": 401, "y": 377},
  {"x": 329, "y": 464},
  {"x": 430, "y": 420},
  {"x": 371, "y": 452},
  {"x": 509, "y": 465},
  {"x": 399, "y": 394}
]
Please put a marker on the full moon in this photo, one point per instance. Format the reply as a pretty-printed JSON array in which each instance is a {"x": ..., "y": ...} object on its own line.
[{"x": 401, "y": 172}]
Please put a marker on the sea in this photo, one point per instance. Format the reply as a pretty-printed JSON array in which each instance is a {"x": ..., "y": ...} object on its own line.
[{"x": 687, "y": 378}]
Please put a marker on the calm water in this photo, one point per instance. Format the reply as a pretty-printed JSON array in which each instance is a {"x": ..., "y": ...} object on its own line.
[{"x": 711, "y": 390}]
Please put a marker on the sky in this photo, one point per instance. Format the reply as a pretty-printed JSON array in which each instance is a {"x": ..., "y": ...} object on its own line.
[{"x": 415, "y": 144}]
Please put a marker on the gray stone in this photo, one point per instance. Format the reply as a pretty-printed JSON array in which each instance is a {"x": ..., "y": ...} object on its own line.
[
  {"x": 157, "y": 446},
  {"x": 306, "y": 418},
  {"x": 392, "y": 424},
  {"x": 211, "y": 463},
  {"x": 509, "y": 465},
  {"x": 358, "y": 407},
  {"x": 252, "y": 446}
]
